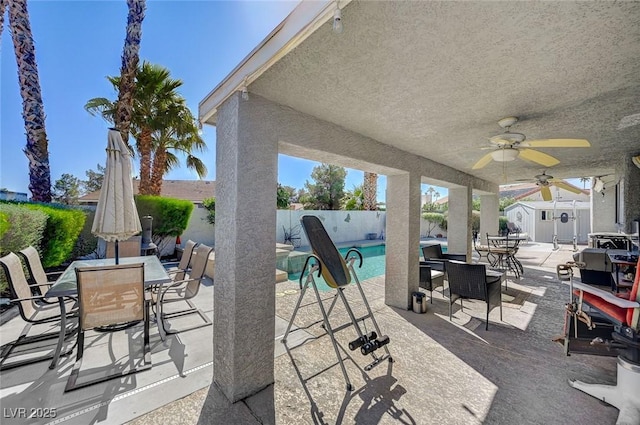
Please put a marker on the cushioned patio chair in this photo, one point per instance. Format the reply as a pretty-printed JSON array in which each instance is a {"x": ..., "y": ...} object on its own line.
[
  {"x": 110, "y": 295},
  {"x": 177, "y": 269},
  {"x": 430, "y": 279},
  {"x": 39, "y": 280},
  {"x": 33, "y": 312},
  {"x": 470, "y": 281},
  {"x": 435, "y": 258},
  {"x": 183, "y": 291}
]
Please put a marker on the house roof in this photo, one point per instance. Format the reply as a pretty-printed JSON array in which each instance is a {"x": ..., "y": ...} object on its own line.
[{"x": 189, "y": 190}]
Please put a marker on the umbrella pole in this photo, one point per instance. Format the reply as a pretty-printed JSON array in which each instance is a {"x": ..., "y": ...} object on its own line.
[{"x": 117, "y": 254}]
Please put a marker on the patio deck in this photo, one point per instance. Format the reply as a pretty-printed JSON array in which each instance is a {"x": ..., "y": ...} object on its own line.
[{"x": 444, "y": 372}]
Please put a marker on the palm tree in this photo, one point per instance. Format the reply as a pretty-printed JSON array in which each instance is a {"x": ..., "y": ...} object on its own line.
[
  {"x": 37, "y": 149},
  {"x": 130, "y": 58},
  {"x": 160, "y": 123},
  {"x": 370, "y": 189},
  {"x": 584, "y": 181},
  {"x": 182, "y": 136}
]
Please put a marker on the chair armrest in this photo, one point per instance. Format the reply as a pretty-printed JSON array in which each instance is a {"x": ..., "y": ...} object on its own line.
[
  {"x": 605, "y": 295},
  {"x": 435, "y": 264},
  {"x": 457, "y": 257}
]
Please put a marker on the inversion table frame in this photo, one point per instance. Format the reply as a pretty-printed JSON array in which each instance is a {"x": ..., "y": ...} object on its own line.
[{"x": 330, "y": 269}]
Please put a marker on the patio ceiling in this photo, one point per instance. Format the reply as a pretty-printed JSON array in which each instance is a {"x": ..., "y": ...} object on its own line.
[{"x": 434, "y": 78}]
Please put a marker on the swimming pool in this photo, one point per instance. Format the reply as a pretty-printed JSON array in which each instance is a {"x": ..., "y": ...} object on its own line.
[
  {"x": 373, "y": 264},
  {"x": 373, "y": 258}
]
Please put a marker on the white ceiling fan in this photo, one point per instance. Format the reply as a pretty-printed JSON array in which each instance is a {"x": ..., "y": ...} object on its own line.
[
  {"x": 545, "y": 181},
  {"x": 508, "y": 146}
]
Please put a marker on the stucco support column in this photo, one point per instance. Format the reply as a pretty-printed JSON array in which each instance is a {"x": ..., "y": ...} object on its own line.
[
  {"x": 629, "y": 195},
  {"x": 402, "y": 239},
  {"x": 459, "y": 221},
  {"x": 489, "y": 212},
  {"x": 603, "y": 210},
  {"x": 244, "y": 290}
]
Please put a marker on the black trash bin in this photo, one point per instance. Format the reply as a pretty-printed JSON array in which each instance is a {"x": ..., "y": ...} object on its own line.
[{"x": 419, "y": 302}]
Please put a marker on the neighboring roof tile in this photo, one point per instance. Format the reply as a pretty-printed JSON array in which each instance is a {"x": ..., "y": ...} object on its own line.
[{"x": 189, "y": 190}]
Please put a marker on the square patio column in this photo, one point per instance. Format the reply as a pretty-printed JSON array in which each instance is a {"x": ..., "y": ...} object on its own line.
[
  {"x": 603, "y": 210},
  {"x": 489, "y": 212},
  {"x": 244, "y": 290},
  {"x": 402, "y": 239},
  {"x": 459, "y": 221}
]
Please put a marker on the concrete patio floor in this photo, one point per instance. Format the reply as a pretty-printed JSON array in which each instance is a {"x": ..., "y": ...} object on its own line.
[{"x": 444, "y": 372}]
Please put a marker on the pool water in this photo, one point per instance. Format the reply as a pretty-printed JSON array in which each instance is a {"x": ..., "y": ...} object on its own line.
[{"x": 373, "y": 264}]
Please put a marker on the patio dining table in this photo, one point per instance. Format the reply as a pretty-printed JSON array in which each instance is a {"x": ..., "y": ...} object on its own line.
[
  {"x": 506, "y": 248},
  {"x": 67, "y": 286}
]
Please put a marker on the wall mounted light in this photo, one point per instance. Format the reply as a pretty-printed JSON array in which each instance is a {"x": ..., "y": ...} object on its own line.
[
  {"x": 245, "y": 93},
  {"x": 337, "y": 21}
]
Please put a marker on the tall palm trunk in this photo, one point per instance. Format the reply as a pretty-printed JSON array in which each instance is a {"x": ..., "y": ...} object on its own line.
[
  {"x": 370, "y": 191},
  {"x": 145, "y": 143},
  {"x": 3, "y": 4},
  {"x": 130, "y": 59},
  {"x": 158, "y": 170},
  {"x": 37, "y": 149}
]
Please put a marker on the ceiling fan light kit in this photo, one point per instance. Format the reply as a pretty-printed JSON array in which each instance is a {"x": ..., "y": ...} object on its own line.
[{"x": 504, "y": 155}]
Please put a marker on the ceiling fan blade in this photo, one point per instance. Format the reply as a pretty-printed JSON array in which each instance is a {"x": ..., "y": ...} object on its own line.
[
  {"x": 564, "y": 185},
  {"x": 546, "y": 193},
  {"x": 538, "y": 157},
  {"x": 482, "y": 162},
  {"x": 557, "y": 143}
]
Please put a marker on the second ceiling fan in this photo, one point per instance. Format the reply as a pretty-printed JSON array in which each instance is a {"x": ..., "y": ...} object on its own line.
[
  {"x": 508, "y": 146},
  {"x": 545, "y": 181}
]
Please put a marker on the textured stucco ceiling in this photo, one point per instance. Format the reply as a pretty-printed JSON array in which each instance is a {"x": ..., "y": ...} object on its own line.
[{"x": 433, "y": 78}]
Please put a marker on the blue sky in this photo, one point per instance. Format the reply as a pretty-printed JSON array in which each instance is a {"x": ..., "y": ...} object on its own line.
[{"x": 79, "y": 43}]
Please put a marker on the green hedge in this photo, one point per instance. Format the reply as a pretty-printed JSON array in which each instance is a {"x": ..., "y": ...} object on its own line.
[
  {"x": 502, "y": 222},
  {"x": 20, "y": 227},
  {"x": 60, "y": 234},
  {"x": 170, "y": 216}
]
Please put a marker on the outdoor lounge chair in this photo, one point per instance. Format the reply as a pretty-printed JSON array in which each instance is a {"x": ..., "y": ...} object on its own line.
[
  {"x": 38, "y": 279},
  {"x": 177, "y": 270},
  {"x": 33, "y": 312},
  {"x": 429, "y": 278},
  {"x": 434, "y": 256},
  {"x": 183, "y": 290},
  {"x": 470, "y": 281},
  {"x": 110, "y": 295},
  {"x": 609, "y": 326}
]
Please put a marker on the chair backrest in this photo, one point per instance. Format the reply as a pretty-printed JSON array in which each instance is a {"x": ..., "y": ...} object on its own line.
[
  {"x": 109, "y": 295},
  {"x": 467, "y": 280},
  {"x": 18, "y": 285},
  {"x": 432, "y": 251},
  {"x": 198, "y": 267},
  {"x": 129, "y": 248},
  {"x": 34, "y": 265},
  {"x": 185, "y": 259}
]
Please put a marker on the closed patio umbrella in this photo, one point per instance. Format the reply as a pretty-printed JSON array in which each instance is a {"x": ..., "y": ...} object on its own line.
[{"x": 116, "y": 215}]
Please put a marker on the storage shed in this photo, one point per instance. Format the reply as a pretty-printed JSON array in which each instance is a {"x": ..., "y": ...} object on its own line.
[{"x": 537, "y": 219}]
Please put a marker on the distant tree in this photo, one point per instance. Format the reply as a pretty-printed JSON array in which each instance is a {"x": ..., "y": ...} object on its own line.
[
  {"x": 328, "y": 189},
  {"x": 300, "y": 195},
  {"x": 354, "y": 200},
  {"x": 434, "y": 220},
  {"x": 66, "y": 189},
  {"x": 94, "y": 179},
  {"x": 505, "y": 202},
  {"x": 210, "y": 206},
  {"x": 282, "y": 197},
  {"x": 584, "y": 181},
  {"x": 475, "y": 204},
  {"x": 293, "y": 193}
]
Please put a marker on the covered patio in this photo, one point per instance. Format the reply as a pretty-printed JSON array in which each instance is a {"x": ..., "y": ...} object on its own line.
[{"x": 411, "y": 90}]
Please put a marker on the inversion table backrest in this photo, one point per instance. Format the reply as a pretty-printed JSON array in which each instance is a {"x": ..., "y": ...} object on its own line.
[{"x": 334, "y": 268}]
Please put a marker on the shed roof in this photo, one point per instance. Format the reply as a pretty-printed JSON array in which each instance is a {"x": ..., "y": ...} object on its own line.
[{"x": 190, "y": 190}]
